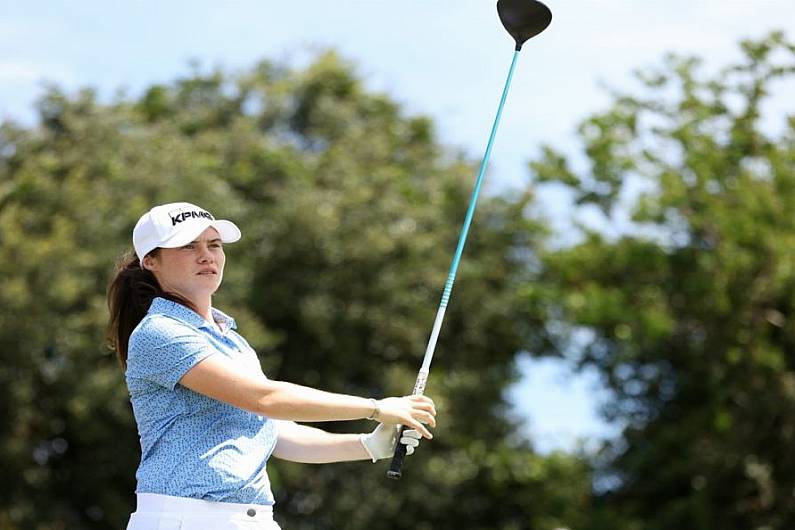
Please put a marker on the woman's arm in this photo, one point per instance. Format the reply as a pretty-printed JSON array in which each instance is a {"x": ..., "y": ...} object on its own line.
[
  {"x": 307, "y": 445},
  {"x": 219, "y": 378}
]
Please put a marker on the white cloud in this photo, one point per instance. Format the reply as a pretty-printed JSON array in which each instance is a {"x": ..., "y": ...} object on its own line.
[
  {"x": 32, "y": 74},
  {"x": 20, "y": 73}
]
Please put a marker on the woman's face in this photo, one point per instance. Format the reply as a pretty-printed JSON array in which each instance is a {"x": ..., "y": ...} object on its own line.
[{"x": 193, "y": 271}]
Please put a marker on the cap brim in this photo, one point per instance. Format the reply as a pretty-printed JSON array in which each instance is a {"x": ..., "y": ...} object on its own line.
[{"x": 228, "y": 231}]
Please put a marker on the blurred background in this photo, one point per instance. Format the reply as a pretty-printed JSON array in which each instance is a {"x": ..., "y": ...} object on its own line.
[{"x": 618, "y": 352}]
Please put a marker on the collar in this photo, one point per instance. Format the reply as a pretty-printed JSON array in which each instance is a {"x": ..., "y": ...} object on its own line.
[{"x": 189, "y": 316}]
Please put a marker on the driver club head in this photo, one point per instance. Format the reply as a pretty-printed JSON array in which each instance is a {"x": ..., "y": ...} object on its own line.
[{"x": 523, "y": 19}]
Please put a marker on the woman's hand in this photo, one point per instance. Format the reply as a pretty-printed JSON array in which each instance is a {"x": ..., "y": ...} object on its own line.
[
  {"x": 411, "y": 411},
  {"x": 381, "y": 442}
]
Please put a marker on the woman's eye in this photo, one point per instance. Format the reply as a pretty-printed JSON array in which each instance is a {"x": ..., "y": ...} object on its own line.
[{"x": 189, "y": 246}]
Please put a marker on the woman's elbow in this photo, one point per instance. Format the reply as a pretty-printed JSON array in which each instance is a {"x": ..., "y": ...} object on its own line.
[{"x": 272, "y": 402}]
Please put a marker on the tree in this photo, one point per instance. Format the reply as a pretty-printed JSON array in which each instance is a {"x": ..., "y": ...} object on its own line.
[
  {"x": 349, "y": 211},
  {"x": 689, "y": 315}
]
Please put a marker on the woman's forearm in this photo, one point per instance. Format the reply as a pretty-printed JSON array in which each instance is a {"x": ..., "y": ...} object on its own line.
[
  {"x": 288, "y": 401},
  {"x": 307, "y": 445}
]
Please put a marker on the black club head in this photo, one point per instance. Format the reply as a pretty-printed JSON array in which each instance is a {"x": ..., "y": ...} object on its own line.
[{"x": 523, "y": 19}]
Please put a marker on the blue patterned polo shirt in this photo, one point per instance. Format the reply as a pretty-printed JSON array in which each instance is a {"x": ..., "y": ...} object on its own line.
[{"x": 192, "y": 445}]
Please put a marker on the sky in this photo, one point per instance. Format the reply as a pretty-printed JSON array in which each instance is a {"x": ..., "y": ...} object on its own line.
[{"x": 447, "y": 59}]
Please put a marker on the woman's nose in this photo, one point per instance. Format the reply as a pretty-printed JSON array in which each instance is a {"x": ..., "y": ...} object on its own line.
[{"x": 205, "y": 256}]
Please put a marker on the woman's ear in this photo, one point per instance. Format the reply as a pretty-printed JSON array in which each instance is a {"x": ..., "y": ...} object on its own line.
[{"x": 148, "y": 263}]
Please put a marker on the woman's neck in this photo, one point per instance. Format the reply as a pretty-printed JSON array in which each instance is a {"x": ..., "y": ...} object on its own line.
[{"x": 203, "y": 307}]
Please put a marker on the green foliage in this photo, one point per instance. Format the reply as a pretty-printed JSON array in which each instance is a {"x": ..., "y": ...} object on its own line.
[
  {"x": 350, "y": 212},
  {"x": 690, "y": 319}
]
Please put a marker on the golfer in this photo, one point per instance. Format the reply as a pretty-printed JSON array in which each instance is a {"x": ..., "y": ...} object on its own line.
[{"x": 208, "y": 418}]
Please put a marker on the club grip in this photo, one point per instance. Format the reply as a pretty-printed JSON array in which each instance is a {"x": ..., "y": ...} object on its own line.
[{"x": 397, "y": 459}]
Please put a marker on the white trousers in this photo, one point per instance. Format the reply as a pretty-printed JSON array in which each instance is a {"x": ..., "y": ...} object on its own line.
[{"x": 164, "y": 512}]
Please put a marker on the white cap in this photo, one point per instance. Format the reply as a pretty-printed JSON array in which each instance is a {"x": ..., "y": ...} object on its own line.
[{"x": 177, "y": 224}]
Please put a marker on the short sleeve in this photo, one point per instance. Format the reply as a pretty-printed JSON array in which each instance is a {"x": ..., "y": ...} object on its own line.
[{"x": 162, "y": 350}]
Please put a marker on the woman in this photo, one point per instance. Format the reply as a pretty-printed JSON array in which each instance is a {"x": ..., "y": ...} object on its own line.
[{"x": 208, "y": 418}]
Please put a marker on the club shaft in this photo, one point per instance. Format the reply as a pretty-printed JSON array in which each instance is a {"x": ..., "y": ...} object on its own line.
[
  {"x": 462, "y": 238},
  {"x": 422, "y": 377}
]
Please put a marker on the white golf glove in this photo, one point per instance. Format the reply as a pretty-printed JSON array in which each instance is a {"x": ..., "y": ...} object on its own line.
[{"x": 381, "y": 442}]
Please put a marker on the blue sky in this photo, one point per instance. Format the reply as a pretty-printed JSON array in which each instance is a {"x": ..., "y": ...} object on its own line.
[{"x": 445, "y": 58}]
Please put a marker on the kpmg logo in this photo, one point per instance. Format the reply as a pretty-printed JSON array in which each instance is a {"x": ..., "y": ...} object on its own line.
[{"x": 182, "y": 215}]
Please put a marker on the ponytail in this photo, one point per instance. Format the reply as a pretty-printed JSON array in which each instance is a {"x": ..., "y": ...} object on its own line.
[{"x": 130, "y": 294}]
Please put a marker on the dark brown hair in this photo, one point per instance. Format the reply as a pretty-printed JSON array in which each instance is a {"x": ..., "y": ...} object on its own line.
[{"x": 130, "y": 293}]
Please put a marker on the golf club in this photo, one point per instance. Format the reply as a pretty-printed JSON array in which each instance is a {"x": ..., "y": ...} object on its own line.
[{"x": 523, "y": 19}]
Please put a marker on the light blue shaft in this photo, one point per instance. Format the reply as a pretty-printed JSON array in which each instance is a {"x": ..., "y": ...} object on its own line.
[{"x": 422, "y": 378}]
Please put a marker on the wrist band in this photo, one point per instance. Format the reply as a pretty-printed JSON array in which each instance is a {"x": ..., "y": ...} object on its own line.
[{"x": 376, "y": 410}]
